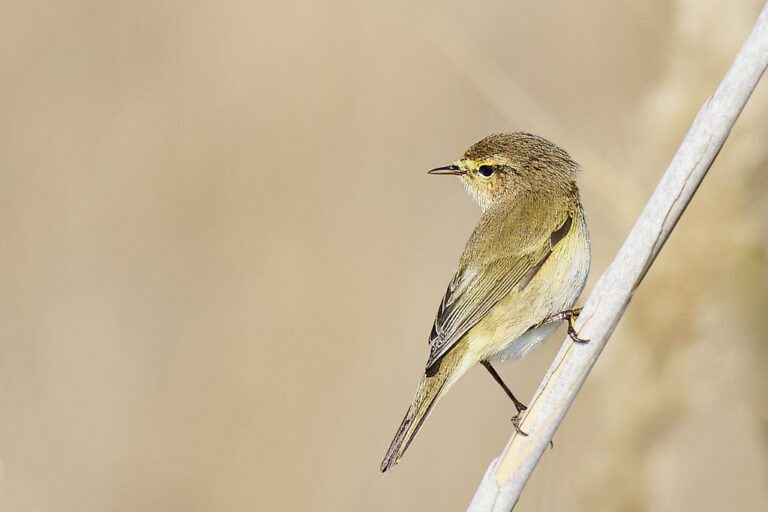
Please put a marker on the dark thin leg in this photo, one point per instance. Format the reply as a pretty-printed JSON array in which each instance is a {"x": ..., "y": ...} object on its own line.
[
  {"x": 520, "y": 406},
  {"x": 570, "y": 315}
]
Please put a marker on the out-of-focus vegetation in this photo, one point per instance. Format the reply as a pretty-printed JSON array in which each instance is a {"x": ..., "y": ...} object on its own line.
[{"x": 221, "y": 255}]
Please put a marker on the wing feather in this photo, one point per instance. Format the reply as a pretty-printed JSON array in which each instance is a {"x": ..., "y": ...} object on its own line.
[{"x": 476, "y": 289}]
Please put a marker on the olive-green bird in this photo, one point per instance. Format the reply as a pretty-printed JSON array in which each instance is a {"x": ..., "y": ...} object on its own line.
[{"x": 521, "y": 272}]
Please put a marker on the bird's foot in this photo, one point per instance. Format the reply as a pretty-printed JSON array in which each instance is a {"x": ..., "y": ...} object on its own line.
[
  {"x": 516, "y": 419},
  {"x": 570, "y": 315},
  {"x": 574, "y": 314}
]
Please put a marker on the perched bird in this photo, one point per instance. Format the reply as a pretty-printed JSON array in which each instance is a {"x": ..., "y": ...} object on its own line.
[{"x": 521, "y": 272}]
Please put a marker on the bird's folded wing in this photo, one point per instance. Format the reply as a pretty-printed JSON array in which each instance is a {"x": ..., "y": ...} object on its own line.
[{"x": 477, "y": 288}]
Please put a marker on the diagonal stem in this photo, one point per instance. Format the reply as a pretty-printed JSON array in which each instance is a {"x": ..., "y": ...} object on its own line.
[{"x": 507, "y": 475}]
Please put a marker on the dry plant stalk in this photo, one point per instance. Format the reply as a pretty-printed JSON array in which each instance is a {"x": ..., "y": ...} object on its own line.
[{"x": 507, "y": 475}]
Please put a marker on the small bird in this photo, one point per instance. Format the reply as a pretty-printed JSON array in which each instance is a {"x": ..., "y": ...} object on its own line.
[{"x": 521, "y": 272}]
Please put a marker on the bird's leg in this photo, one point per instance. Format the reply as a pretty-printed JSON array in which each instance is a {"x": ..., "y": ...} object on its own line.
[
  {"x": 520, "y": 406},
  {"x": 570, "y": 315}
]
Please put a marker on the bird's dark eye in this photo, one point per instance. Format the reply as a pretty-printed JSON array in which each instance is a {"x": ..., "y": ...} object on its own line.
[{"x": 487, "y": 170}]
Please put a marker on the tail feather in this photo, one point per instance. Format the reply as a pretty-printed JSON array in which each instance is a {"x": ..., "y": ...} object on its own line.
[
  {"x": 426, "y": 396},
  {"x": 430, "y": 389}
]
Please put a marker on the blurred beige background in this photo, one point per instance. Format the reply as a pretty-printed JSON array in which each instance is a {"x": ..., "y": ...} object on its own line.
[{"x": 221, "y": 255}]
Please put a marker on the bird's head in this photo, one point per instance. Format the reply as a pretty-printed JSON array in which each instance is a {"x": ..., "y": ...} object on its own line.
[{"x": 501, "y": 166}]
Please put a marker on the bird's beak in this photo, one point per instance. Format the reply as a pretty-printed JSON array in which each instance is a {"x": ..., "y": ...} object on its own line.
[{"x": 448, "y": 169}]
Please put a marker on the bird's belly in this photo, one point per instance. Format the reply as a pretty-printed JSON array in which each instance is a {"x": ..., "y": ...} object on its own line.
[
  {"x": 526, "y": 342},
  {"x": 506, "y": 332}
]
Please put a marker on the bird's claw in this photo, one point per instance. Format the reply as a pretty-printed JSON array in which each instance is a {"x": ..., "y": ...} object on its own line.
[
  {"x": 516, "y": 423},
  {"x": 575, "y": 337},
  {"x": 572, "y": 330}
]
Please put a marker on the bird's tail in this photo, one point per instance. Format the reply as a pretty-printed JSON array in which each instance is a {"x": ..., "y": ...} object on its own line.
[{"x": 430, "y": 389}]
